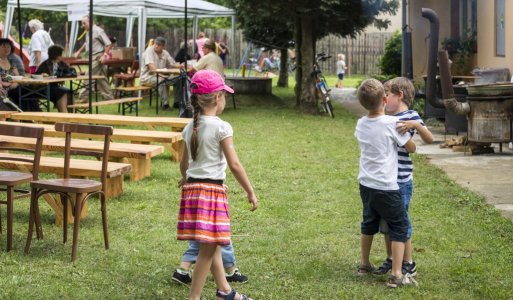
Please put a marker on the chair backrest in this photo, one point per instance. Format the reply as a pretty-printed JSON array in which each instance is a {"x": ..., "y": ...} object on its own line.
[
  {"x": 70, "y": 128},
  {"x": 36, "y": 133},
  {"x": 135, "y": 66}
]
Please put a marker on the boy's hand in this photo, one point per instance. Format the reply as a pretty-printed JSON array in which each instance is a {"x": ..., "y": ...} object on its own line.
[{"x": 404, "y": 126}]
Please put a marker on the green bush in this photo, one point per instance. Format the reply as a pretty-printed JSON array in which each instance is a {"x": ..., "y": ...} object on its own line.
[{"x": 390, "y": 62}]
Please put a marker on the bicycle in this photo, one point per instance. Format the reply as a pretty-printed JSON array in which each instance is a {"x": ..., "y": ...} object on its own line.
[{"x": 320, "y": 84}]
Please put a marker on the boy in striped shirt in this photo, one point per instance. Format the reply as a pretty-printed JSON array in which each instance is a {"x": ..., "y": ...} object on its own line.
[{"x": 400, "y": 93}]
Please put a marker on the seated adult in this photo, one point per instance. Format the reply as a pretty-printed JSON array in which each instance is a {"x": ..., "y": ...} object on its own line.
[
  {"x": 58, "y": 94},
  {"x": 210, "y": 61},
  {"x": 156, "y": 57},
  {"x": 9, "y": 67}
]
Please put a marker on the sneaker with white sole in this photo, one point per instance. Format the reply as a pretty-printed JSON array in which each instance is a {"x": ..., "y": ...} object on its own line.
[
  {"x": 237, "y": 276},
  {"x": 182, "y": 277},
  {"x": 409, "y": 269},
  {"x": 384, "y": 268}
]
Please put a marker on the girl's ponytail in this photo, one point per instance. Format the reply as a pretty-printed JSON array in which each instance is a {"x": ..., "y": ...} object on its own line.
[{"x": 194, "y": 136}]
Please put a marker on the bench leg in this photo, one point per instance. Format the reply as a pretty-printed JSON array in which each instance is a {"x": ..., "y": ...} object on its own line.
[
  {"x": 114, "y": 186},
  {"x": 140, "y": 167},
  {"x": 56, "y": 205},
  {"x": 175, "y": 149}
]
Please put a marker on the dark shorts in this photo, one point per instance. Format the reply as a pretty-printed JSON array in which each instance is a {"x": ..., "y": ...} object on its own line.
[
  {"x": 341, "y": 76},
  {"x": 386, "y": 205}
]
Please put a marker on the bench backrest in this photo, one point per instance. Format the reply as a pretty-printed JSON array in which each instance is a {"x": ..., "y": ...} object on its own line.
[
  {"x": 36, "y": 133},
  {"x": 70, "y": 128}
]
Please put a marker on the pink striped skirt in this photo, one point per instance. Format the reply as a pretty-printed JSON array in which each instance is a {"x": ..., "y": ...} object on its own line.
[{"x": 204, "y": 214}]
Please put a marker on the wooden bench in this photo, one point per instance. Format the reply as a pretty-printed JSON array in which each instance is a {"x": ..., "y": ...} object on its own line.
[
  {"x": 4, "y": 115},
  {"x": 78, "y": 168},
  {"x": 173, "y": 124},
  {"x": 126, "y": 103},
  {"x": 139, "y": 156},
  {"x": 172, "y": 141}
]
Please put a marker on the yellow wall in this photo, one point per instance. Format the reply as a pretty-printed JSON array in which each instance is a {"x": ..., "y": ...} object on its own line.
[
  {"x": 486, "y": 36},
  {"x": 420, "y": 30}
]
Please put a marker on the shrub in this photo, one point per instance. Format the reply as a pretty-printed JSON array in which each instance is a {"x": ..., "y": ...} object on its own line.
[{"x": 390, "y": 62}]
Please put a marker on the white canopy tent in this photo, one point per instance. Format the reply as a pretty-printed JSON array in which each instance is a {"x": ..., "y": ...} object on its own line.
[{"x": 129, "y": 9}]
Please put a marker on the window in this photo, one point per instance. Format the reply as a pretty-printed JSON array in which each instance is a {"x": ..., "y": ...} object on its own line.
[{"x": 500, "y": 36}]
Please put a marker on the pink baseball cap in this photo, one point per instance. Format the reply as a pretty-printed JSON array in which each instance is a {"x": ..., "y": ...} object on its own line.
[{"x": 208, "y": 81}]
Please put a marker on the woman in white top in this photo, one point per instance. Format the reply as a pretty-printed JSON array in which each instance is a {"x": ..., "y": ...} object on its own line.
[{"x": 39, "y": 44}]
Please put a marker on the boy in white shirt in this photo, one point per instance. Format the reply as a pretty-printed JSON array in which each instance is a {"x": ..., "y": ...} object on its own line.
[{"x": 378, "y": 139}]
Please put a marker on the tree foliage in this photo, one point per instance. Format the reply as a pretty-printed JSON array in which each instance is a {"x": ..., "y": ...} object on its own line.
[
  {"x": 390, "y": 62},
  {"x": 309, "y": 20}
]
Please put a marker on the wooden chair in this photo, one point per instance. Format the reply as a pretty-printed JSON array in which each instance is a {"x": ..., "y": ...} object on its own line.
[
  {"x": 9, "y": 180},
  {"x": 126, "y": 79},
  {"x": 70, "y": 188}
]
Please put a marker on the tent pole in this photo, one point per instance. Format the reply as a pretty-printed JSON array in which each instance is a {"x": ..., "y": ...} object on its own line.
[
  {"x": 232, "y": 43},
  {"x": 90, "y": 46},
  {"x": 185, "y": 34},
  {"x": 19, "y": 31}
]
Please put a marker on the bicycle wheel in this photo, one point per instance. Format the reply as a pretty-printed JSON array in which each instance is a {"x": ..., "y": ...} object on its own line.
[{"x": 328, "y": 108}]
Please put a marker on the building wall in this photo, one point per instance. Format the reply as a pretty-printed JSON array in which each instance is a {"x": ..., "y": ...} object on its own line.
[
  {"x": 395, "y": 22},
  {"x": 486, "y": 36},
  {"x": 420, "y": 31}
]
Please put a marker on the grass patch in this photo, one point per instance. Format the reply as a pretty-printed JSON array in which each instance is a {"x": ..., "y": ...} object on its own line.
[{"x": 302, "y": 243}]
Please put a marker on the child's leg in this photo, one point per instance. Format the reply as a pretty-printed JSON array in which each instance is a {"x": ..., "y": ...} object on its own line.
[
  {"x": 408, "y": 251},
  {"x": 228, "y": 257},
  {"x": 203, "y": 265},
  {"x": 365, "y": 244},
  {"x": 190, "y": 255},
  {"x": 217, "y": 270},
  {"x": 388, "y": 245},
  {"x": 397, "y": 258}
]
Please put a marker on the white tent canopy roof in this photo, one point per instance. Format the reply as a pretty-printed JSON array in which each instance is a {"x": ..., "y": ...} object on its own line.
[
  {"x": 125, "y": 8},
  {"x": 129, "y": 9}
]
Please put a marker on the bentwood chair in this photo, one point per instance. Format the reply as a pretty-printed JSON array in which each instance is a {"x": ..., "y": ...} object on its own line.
[
  {"x": 73, "y": 191},
  {"x": 11, "y": 180}
]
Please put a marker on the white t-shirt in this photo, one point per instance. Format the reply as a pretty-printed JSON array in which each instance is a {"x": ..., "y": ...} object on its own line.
[
  {"x": 40, "y": 41},
  {"x": 378, "y": 140},
  {"x": 341, "y": 66},
  {"x": 210, "y": 162}
]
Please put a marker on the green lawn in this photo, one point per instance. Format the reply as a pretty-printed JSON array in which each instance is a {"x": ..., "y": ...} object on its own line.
[{"x": 303, "y": 241}]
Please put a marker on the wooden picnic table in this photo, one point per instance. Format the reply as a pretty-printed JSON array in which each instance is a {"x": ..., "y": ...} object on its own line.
[
  {"x": 36, "y": 89},
  {"x": 174, "y": 124},
  {"x": 163, "y": 76}
]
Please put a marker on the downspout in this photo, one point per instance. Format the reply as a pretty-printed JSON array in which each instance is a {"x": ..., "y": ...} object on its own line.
[
  {"x": 432, "y": 53},
  {"x": 450, "y": 102}
]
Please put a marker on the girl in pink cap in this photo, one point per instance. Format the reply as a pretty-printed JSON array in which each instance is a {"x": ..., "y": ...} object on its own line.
[{"x": 204, "y": 212}]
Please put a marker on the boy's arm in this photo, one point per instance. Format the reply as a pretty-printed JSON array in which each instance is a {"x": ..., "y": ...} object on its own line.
[
  {"x": 410, "y": 146},
  {"x": 425, "y": 134}
]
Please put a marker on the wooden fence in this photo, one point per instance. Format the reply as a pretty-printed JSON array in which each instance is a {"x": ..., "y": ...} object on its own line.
[{"x": 362, "y": 53}]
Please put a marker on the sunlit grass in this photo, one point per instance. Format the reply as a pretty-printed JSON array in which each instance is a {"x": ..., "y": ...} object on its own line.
[{"x": 302, "y": 243}]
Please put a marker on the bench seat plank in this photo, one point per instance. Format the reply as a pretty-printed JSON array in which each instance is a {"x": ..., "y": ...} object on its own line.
[
  {"x": 172, "y": 141},
  {"x": 105, "y": 102},
  {"x": 174, "y": 124},
  {"x": 138, "y": 155}
]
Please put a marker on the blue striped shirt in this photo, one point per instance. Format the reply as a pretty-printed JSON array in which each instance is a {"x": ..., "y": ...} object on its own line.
[{"x": 405, "y": 164}]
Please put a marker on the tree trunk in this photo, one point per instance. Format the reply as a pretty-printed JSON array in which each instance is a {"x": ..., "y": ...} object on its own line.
[
  {"x": 308, "y": 99},
  {"x": 283, "y": 79},
  {"x": 299, "y": 69}
]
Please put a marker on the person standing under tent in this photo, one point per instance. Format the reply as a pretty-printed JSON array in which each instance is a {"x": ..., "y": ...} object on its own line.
[
  {"x": 39, "y": 44},
  {"x": 199, "y": 44},
  {"x": 101, "y": 48}
]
